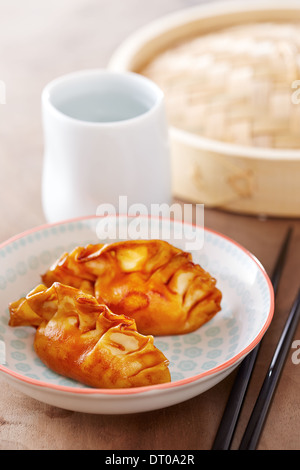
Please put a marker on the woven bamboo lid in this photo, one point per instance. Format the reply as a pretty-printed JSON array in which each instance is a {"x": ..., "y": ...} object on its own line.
[
  {"x": 235, "y": 84},
  {"x": 230, "y": 73}
]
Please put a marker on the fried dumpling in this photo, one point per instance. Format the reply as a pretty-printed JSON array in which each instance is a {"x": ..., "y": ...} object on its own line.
[
  {"x": 70, "y": 271},
  {"x": 83, "y": 340},
  {"x": 151, "y": 281}
]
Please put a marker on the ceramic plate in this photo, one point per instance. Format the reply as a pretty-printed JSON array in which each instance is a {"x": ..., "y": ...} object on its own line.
[{"x": 198, "y": 360}]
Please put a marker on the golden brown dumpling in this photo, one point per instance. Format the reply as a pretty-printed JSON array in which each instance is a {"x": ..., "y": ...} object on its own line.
[
  {"x": 151, "y": 281},
  {"x": 81, "y": 339}
]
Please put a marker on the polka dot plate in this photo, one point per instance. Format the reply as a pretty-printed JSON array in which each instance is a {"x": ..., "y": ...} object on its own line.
[{"x": 198, "y": 360}]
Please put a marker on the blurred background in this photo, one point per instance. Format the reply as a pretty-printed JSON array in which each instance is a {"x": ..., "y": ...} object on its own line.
[{"x": 40, "y": 40}]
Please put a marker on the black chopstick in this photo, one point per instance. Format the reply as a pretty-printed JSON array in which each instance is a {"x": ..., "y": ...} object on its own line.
[
  {"x": 263, "y": 402},
  {"x": 235, "y": 401}
]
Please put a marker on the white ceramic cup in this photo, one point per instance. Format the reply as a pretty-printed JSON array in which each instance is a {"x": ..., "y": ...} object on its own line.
[{"x": 105, "y": 136}]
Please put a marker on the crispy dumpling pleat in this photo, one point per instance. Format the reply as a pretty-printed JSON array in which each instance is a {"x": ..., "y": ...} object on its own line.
[
  {"x": 83, "y": 340},
  {"x": 70, "y": 271},
  {"x": 151, "y": 281}
]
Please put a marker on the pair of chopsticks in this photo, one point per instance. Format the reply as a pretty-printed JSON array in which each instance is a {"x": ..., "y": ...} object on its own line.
[{"x": 234, "y": 404}]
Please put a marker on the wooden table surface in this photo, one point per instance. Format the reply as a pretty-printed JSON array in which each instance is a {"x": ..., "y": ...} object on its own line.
[{"x": 42, "y": 40}]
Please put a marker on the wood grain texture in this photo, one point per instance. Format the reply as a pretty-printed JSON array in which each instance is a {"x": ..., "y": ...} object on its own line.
[{"x": 42, "y": 40}]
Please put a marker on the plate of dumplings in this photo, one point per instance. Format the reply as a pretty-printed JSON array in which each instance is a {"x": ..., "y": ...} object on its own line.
[{"x": 98, "y": 323}]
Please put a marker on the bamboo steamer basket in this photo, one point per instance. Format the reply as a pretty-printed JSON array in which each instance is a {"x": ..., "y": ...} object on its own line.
[{"x": 258, "y": 172}]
